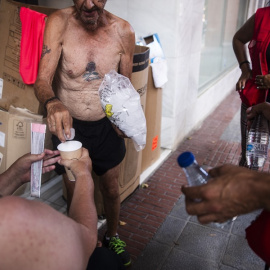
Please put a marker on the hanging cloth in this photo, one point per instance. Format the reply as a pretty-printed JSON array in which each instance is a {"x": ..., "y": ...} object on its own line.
[{"x": 33, "y": 25}]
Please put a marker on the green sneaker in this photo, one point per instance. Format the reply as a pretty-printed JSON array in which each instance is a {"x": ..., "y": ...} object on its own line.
[{"x": 118, "y": 246}]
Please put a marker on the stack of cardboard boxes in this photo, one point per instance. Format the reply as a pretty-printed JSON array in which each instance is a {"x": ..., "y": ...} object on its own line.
[
  {"x": 15, "y": 124},
  {"x": 151, "y": 152}
]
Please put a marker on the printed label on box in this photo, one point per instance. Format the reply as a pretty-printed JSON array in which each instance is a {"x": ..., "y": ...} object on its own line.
[
  {"x": 1, "y": 88},
  {"x": 19, "y": 129},
  {"x": 155, "y": 143},
  {"x": 1, "y": 158},
  {"x": 2, "y": 139}
]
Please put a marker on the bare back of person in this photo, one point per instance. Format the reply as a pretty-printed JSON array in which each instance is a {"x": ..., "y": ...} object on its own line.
[
  {"x": 86, "y": 56},
  {"x": 35, "y": 236}
]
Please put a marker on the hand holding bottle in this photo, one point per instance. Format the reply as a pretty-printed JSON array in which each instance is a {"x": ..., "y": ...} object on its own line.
[
  {"x": 262, "y": 108},
  {"x": 231, "y": 191},
  {"x": 257, "y": 142},
  {"x": 198, "y": 180}
]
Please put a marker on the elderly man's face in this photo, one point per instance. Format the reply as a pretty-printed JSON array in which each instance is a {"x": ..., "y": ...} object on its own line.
[{"x": 89, "y": 11}]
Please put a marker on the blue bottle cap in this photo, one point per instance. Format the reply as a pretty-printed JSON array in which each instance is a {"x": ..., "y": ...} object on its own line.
[{"x": 185, "y": 159}]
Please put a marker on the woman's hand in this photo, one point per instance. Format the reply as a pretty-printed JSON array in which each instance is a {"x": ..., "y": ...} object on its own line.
[
  {"x": 245, "y": 76},
  {"x": 263, "y": 81}
]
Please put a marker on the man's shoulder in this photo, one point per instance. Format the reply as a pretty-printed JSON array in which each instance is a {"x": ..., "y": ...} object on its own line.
[
  {"x": 121, "y": 24},
  {"x": 61, "y": 15}
]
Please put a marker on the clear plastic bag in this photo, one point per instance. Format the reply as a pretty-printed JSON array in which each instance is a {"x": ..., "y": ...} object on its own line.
[{"x": 122, "y": 105}]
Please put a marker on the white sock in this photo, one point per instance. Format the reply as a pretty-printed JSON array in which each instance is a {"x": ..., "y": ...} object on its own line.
[{"x": 108, "y": 238}]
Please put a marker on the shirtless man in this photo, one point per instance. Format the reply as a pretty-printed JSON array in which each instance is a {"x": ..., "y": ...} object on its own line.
[{"x": 81, "y": 44}]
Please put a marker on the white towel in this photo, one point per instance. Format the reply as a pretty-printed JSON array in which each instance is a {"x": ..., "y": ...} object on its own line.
[{"x": 159, "y": 69}]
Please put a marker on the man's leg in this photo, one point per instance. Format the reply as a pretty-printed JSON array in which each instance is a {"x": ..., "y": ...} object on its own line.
[{"x": 110, "y": 190}]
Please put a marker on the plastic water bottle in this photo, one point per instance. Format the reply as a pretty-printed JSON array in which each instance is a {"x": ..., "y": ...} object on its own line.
[
  {"x": 196, "y": 175},
  {"x": 257, "y": 142}
]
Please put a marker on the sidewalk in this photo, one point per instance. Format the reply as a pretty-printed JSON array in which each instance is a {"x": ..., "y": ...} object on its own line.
[{"x": 159, "y": 233}]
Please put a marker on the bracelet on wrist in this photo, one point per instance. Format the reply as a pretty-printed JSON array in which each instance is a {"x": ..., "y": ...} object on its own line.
[
  {"x": 49, "y": 100},
  {"x": 244, "y": 62}
]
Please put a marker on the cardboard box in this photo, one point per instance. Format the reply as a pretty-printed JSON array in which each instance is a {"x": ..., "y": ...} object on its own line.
[
  {"x": 15, "y": 140},
  {"x": 153, "y": 111},
  {"x": 15, "y": 137},
  {"x": 139, "y": 74},
  {"x": 14, "y": 91},
  {"x": 130, "y": 169},
  {"x": 4, "y": 117}
]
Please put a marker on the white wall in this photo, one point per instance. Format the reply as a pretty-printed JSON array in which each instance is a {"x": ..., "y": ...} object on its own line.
[
  {"x": 55, "y": 3},
  {"x": 179, "y": 26}
]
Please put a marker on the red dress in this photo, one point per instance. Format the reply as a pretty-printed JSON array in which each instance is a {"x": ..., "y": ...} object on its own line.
[{"x": 250, "y": 95}]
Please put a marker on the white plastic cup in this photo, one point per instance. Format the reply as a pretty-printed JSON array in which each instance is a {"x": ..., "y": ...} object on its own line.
[{"x": 70, "y": 150}]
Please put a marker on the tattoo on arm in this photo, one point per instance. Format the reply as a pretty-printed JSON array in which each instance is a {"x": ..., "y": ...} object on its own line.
[
  {"x": 90, "y": 72},
  {"x": 45, "y": 50}
]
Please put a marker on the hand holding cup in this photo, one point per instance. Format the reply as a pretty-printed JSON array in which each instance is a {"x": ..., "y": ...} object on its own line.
[{"x": 70, "y": 150}]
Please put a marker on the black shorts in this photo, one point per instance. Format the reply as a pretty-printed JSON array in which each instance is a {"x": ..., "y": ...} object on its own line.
[
  {"x": 105, "y": 259},
  {"x": 106, "y": 148}
]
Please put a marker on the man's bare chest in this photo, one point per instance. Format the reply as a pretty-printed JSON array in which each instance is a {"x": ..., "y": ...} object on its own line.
[{"x": 90, "y": 58}]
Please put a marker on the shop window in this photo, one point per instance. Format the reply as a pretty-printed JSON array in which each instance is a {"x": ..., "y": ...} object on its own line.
[{"x": 221, "y": 19}]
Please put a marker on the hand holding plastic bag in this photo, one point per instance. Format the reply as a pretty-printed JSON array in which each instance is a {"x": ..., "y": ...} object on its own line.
[{"x": 122, "y": 105}]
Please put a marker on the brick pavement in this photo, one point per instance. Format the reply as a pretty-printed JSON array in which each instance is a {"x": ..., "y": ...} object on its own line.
[{"x": 147, "y": 208}]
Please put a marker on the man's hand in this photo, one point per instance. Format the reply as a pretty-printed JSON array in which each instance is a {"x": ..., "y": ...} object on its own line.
[
  {"x": 21, "y": 168},
  {"x": 59, "y": 118},
  {"x": 232, "y": 191},
  {"x": 79, "y": 167},
  {"x": 119, "y": 132},
  {"x": 20, "y": 171},
  {"x": 50, "y": 158}
]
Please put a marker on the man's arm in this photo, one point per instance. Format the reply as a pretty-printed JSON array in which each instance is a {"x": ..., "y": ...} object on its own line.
[
  {"x": 232, "y": 191},
  {"x": 128, "y": 42},
  {"x": 127, "y": 35},
  {"x": 58, "y": 116},
  {"x": 82, "y": 208},
  {"x": 20, "y": 171}
]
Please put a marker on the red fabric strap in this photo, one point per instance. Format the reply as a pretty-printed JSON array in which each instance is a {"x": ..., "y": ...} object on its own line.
[{"x": 33, "y": 25}]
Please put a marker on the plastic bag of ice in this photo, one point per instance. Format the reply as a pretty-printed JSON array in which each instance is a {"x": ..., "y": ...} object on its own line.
[{"x": 122, "y": 105}]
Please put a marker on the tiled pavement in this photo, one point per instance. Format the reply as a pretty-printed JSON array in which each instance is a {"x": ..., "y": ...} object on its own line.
[{"x": 158, "y": 232}]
